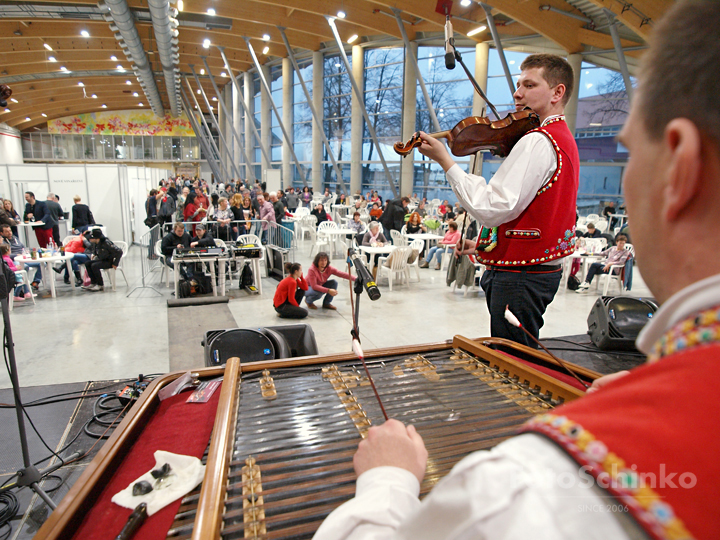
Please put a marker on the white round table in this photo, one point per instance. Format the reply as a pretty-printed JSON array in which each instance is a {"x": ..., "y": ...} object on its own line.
[{"x": 46, "y": 267}]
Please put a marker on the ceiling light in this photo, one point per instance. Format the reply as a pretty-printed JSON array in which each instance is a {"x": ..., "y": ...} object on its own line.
[
  {"x": 51, "y": 59},
  {"x": 128, "y": 82},
  {"x": 94, "y": 96},
  {"x": 198, "y": 91},
  {"x": 338, "y": 65},
  {"x": 211, "y": 11},
  {"x": 7, "y": 110},
  {"x": 135, "y": 94},
  {"x": 476, "y": 30},
  {"x": 141, "y": 104},
  {"x": 341, "y": 14},
  {"x": 202, "y": 72},
  {"x": 223, "y": 74},
  {"x": 113, "y": 58},
  {"x": 27, "y": 118},
  {"x": 63, "y": 68},
  {"x": 465, "y": 3},
  {"x": 103, "y": 106},
  {"x": 120, "y": 68},
  {"x": 206, "y": 43},
  {"x": 44, "y": 115},
  {"x": 266, "y": 50},
  {"x": 214, "y": 98},
  {"x": 80, "y": 84},
  {"x": 84, "y": 33},
  {"x": 352, "y": 38},
  {"x": 266, "y": 37},
  {"x": 180, "y": 5},
  {"x": 48, "y": 47},
  {"x": 13, "y": 100}
]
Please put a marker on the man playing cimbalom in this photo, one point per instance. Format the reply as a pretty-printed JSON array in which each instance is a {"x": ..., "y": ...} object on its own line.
[
  {"x": 529, "y": 204},
  {"x": 638, "y": 458}
]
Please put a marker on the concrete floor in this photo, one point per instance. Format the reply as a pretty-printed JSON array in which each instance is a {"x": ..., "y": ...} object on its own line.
[{"x": 82, "y": 336}]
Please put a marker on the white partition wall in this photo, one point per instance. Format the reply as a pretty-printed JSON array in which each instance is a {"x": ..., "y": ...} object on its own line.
[
  {"x": 66, "y": 181},
  {"x": 104, "y": 198}
]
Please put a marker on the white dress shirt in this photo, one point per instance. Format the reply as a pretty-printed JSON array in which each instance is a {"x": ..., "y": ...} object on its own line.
[{"x": 529, "y": 166}]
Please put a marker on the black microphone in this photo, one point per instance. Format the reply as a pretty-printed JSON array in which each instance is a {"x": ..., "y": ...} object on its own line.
[
  {"x": 449, "y": 44},
  {"x": 363, "y": 275}
]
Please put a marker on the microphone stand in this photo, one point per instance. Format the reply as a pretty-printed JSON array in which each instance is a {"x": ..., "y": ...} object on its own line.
[
  {"x": 29, "y": 475},
  {"x": 474, "y": 82}
]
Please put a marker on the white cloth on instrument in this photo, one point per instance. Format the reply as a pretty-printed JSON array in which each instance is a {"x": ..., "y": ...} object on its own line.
[
  {"x": 526, "y": 487},
  {"x": 188, "y": 472},
  {"x": 530, "y": 165}
]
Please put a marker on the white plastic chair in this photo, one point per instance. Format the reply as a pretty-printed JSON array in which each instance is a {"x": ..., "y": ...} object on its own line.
[
  {"x": 615, "y": 273},
  {"x": 26, "y": 281},
  {"x": 601, "y": 225},
  {"x": 418, "y": 245},
  {"x": 254, "y": 239},
  {"x": 165, "y": 269},
  {"x": 398, "y": 265},
  {"x": 592, "y": 218},
  {"x": 307, "y": 224},
  {"x": 111, "y": 272},
  {"x": 302, "y": 211},
  {"x": 398, "y": 239}
]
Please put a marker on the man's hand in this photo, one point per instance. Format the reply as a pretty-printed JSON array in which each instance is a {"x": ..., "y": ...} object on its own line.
[
  {"x": 435, "y": 150},
  {"x": 394, "y": 445},
  {"x": 193, "y": 244},
  {"x": 332, "y": 292},
  {"x": 605, "y": 379}
]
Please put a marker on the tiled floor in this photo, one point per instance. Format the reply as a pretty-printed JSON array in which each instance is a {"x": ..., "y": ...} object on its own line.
[{"x": 81, "y": 336}]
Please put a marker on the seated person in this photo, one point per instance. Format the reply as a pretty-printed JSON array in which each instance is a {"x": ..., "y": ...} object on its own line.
[
  {"x": 21, "y": 291},
  {"x": 374, "y": 238},
  {"x": 81, "y": 249},
  {"x": 320, "y": 213},
  {"x": 421, "y": 209},
  {"x": 290, "y": 292},
  {"x": 356, "y": 225},
  {"x": 415, "y": 225},
  {"x": 450, "y": 239},
  {"x": 319, "y": 282},
  {"x": 592, "y": 232},
  {"x": 376, "y": 211},
  {"x": 175, "y": 239},
  {"x": 17, "y": 248},
  {"x": 202, "y": 238},
  {"x": 105, "y": 255},
  {"x": 616, "y": 255}
]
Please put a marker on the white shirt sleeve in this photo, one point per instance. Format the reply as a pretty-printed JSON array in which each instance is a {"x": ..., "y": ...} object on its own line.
[
  {"x": 524, "y": 487},
  {"x": 530, "y": 165}
]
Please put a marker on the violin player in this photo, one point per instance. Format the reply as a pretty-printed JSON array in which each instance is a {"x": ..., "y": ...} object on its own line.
[{"x": 528, "y": 207}]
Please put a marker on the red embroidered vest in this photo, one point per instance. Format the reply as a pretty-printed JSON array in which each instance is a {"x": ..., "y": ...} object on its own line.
[
  {"x": 652, "y": 440},
  {"x": 546, "y": 229}
]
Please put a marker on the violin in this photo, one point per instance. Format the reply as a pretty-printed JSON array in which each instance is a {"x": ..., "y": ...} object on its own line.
[{"x": 477, "y": 133}]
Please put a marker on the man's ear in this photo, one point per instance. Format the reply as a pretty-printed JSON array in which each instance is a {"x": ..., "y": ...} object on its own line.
[
  {"x": 683, "y": 144},
  {"x": 558, "y": 93}
]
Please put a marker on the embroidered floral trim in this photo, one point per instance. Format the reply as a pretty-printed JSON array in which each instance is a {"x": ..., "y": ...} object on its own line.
[
  {"x": 613, "y": 474},
  {"x": 699, "y": 329},
  {"x": 518, "y": 233},
  {"x": 556, "y": 254},
  {"x": 487, "y": 239},
  {"x": 557, "y": 153}
]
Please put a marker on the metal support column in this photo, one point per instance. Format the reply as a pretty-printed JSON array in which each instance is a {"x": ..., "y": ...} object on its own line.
[
  {"x": 228, "y": 116},
  {"x": 619, "y": 51},
  {"x": 214, "y": 120},
  {"x": 216, "y": 152},
  {"x": 420, "y": 79},
  {"x": 275, "y": 110},
  {"x": 498, "y": 45},
  {"x": 246, "y": 110},
  {"x": 199, "y": 134},
  {"x": 361, "y": 99},
  {"x": 318, "y": 120}
]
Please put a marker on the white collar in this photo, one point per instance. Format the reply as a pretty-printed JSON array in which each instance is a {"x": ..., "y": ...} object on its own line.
[
  {"x": 552, "y": 117},
  {"x": 700, "y": 295}
]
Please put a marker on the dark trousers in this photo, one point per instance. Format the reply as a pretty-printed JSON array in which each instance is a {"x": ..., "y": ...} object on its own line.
[
  {"x": 288, "y": 311},
  {"x": 56, "y": 235},
  {"x": 93, "y": 270},
  {"x": 595, "y": 268},
  {"x": 527, "y": 295}
]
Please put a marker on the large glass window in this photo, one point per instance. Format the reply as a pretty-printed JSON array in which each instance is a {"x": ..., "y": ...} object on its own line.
[
  {"x": 302, "y": 119},
  {"x": 337, "y": 104},
  {"x": 276, "y": 139}
]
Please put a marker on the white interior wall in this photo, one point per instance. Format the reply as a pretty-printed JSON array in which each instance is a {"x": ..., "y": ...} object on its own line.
[{"x": 10, "y": 145}]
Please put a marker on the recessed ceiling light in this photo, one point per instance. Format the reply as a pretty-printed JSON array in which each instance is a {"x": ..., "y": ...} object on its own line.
[
  {"x": 465, "y": 3},
  {"x": 128, "y": 82},
  {"x": 141, "y": 104},
  {"x": 84, "y": 33},
  {"x": 202, "y": 72},
  {"x": 214, "y": 98},
  {"x": 63, "y": 68},
  {"x": 13, "y": 100},
  {"x": 206, "y": 43},
  {"x": 211, "y": 11},
  {"x": 352, "y": 38},
  {"x": 223, "y": 74},
  {"x": 266, "y": 37},
  {"x": 341, "y": 14},
  {"x": 7, "y": 110},
  {"x": 135, "y": 94},
  {"x": 103, "y": 106},
  {"x": 80, "y": 84},
  {"x": 180, "y": 5},
  {"x": 120, "y": 68},
  {"x": 94, "y": 96},
  {"x": 51, "y": 59},
  {"x": 44, "y": 115},
  {"x": 48, "y": 47},
  {"x": 476, "y": 30},
  {"x": 266, "y": 50},
  {"x": 27, "y": 118},
  {"x": 198, "y": 91},
  {"x": 113, "y": 58}
]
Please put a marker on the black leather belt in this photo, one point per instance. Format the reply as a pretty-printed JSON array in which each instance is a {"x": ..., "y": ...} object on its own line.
[{"x": 533, "y": 268}]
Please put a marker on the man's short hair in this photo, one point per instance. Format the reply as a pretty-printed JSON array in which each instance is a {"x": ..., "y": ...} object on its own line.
[
  {"x": 590, "y": 225},
  {"x": 178, "y": 225},
  {"x": 30, "y": 193},
  {"x": 677, "y": 79},
  {"x": 620, "y": 238},
  {"x": 4, "y": 226},
  {"x": 406, "y": 200},
  {"x": 51, "y": 195},
  {"x": 556, "y": 70}
]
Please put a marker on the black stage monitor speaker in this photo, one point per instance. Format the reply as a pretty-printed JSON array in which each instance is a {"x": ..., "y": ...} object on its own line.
[
  {"x": 615, "y": 321},
  {"x": 249, "y": 345}
]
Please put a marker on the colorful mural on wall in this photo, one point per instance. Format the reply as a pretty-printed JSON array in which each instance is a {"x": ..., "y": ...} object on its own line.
[{"x": 122, "y": 123}]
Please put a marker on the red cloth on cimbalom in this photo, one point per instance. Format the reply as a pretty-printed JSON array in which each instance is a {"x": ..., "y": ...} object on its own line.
[
  {"x": 175, "y": 426},
  {"x": 660, "y": 421},
  {"x": 546, "y": 229}
]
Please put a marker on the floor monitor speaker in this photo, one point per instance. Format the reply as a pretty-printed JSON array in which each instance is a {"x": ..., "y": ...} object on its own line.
[{"x": 615, "y": 321}]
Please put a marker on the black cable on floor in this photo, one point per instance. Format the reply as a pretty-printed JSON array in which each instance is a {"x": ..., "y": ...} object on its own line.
[
  {"x": 9, "y": 507},
  {"x": 592, "y": 348}
]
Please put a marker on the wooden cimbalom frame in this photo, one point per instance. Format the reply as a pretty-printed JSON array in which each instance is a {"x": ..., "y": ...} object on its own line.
[{"x": 280, "y": 456}]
